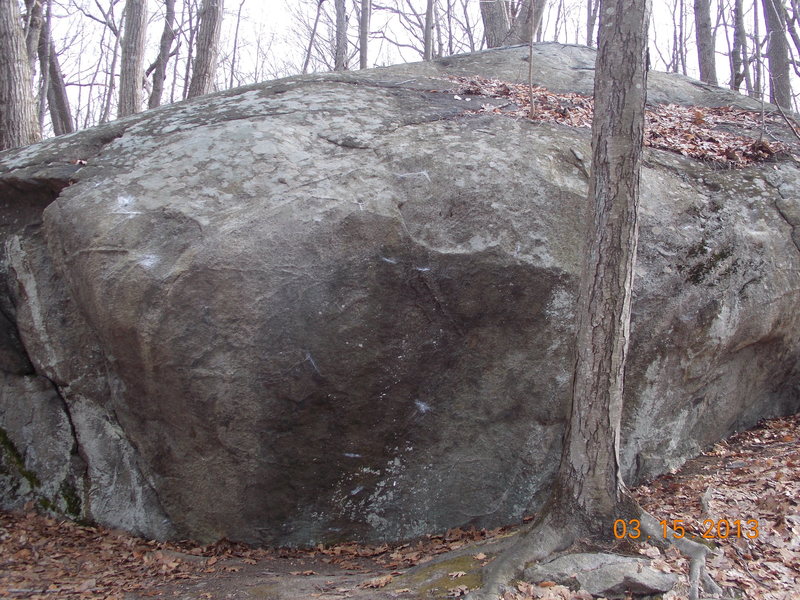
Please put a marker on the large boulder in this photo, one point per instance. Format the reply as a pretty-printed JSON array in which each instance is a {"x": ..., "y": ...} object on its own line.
[{"x": 341, "y": 307}]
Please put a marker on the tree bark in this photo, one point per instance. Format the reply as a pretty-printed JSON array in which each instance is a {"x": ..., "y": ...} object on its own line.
[
  {"x": 131, "y": 73},
  {"x": 313, "y": 37},
  {"x": 496, "y": 22},
  {"x": 428, "y": 32},
  {"x": 235, "y": 46},
  {"x": 705, "y": 41},
  {"x": 588, "y": 493},
  {"x": 205, "y": 62},
  {"x": 739, "y": 66},
  {"x": 780, "y": 85},
  {"x": 340, "y": 51},
  {"x": 18, "y": 125},
  {"x": 589, "y": 474},
  {"x": 528, "y": 23},
  {"x": 54, "y": 86},
  {"x": 502, "y": 28},
  {"x": 363, "y": 33},
  {"x": 34, "y": 22},
  {"x": 159, "y": 67},
  {"x": 57, "y": 98},
  {"x": 592, "y": 6}
]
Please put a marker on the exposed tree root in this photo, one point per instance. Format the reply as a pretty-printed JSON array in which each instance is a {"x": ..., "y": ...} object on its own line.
[
  {"x": 547, "y": 538},
  {"x": 698, "y": 575},
  {"x": 536, "y": 544}
]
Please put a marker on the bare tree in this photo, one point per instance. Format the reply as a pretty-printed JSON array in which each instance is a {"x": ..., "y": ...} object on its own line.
[
  {"x": 34, "y": 21},
  {"x": 705, "y": 41},
  {"x": 588, "y": 494},
  {"x": 132, "y": 65},
  {"x": 740, "y": 68},
  {"x": 205, "y": 62},
  {"x": 312, "y": 37},
  {"x": 18, "y": 126},
  {"x": 340, "y": 52},
  {"x": 508, "y": 23},
  {"x": 780, "y": 85},
  {"x": 428, "y": 36},
  {"x": 159, "y": 66},
  {"x": 592, "y": 6},
  {"x": 496, "y": 22},
  {"x": 235, "y": 44},
  {"x": 53, "y": 84},
  {"x": 363, "y": 33}
]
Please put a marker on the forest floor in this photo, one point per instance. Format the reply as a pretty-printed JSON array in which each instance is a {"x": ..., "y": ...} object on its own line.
[{"x": 753, "y": 478}]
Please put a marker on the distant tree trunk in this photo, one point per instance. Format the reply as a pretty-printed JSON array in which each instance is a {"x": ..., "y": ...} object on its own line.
[
  {"x": 44, "y": 85},
  {"x": 468, "y": 27},
  {"x": 527, "y": 25},
  {"x": 780, "y": 86},
  {"x": 57, "y": 98},
  {"x": 131, "y": 73},
  {"x": 502, "y": 27},
  {"x": 682, "y": 37},
  {"x": 705, "y": 41},
  {"x": 739, "y": 63},
  {"x": 592, "y": 6},
  {"x": 235, "y": 45},
  {"x": 34, "y": 22},
  {"x": 363, "y": 33},
  {"x": 18, "y": 125},
  {"x": 428, "y": 33},
  {"x": 340, "y": 51},
  {"x": 53, "y": 85},
  {"x": 159, "y": 67},
  {"x": 496, "y": 22},
  {"x": 205, "y": 62},
  {"x": 313, "y": 37},
  {"x": 757, "y": 62}
]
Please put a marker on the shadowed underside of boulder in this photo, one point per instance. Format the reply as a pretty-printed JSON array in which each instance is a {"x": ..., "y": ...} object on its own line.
[{"x": 340, "y": 307}]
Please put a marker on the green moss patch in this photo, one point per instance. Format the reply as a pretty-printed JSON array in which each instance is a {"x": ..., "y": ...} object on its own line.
[
  {"x": 15, "y": 458},
  {"x": 435, "y": 580}
]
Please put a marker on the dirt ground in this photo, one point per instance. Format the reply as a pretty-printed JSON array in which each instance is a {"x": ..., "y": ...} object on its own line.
[{"x": 754, "y": 476}]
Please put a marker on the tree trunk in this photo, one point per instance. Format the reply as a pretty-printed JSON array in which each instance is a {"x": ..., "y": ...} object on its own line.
[
  {"x": 131, "y": 73},
  {"x": 428, "y": 32},
  {"x": 33, "y": 29},
  {"x": 780, "y": 85},
  {"x": 363, "y": 33},
  {"x": 18, "y": 125},
  {"x": 159, "y": 67},
  {"x": 502, "y": 28},
  {"x": 235, "y": 46},
  {"x": 588, "y": 493},
  {"x": 526, "y": 26},
  {"x": 589, "y": 474},
  {"x": 496, "y": 22},
  {"x": 705, "y": 41},
  {"x": 57, "y": 98},
  {"x": 592, "y": 6},
  {"x": 739, "y": 64},
  {"x": 313, "y": 37},
  {"x": 205, "y": 62},
  {"x": 340, "y": 52},
  {"x": 44, "y": 80},
  {"x": 54, "y": 86}
]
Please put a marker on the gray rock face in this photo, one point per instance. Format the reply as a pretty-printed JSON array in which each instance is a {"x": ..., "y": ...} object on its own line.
[
  {"x": 338, "y": 306},
  {"x": 607, "y": 575}
]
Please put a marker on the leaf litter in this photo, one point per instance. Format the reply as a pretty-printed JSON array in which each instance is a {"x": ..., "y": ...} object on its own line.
[
  {"x": 703, "y": 133},
  {"x": 754, "y": 475}
]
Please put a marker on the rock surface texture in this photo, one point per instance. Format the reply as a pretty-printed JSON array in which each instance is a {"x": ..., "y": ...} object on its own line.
[{"x": 340, "y": 307}]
